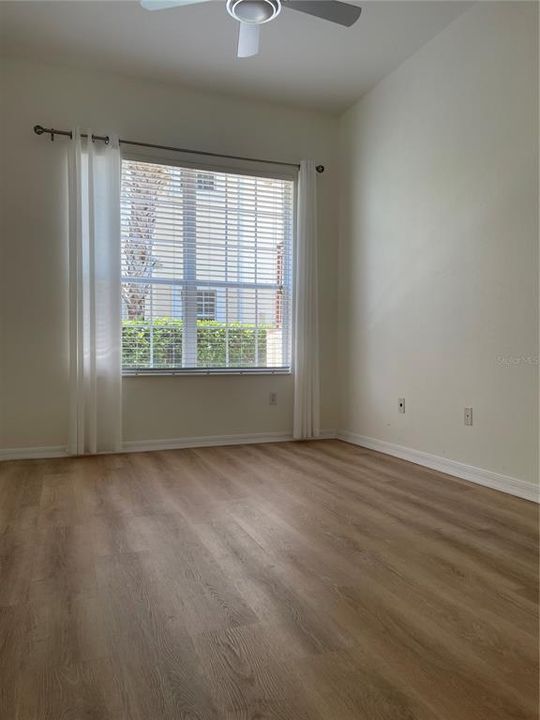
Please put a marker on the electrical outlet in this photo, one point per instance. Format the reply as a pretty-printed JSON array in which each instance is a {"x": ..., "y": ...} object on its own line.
[
  {"x": 272, "y": 398},
  {"x": 401, "y": 405},
  {"x": 468, "y": 416}
]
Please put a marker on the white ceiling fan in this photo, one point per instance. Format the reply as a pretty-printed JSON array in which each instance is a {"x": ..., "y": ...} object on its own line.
[{"x": 251, "y": 14}]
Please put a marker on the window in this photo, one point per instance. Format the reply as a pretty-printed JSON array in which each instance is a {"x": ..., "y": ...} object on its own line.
[
  {"x": 205, "y": 182},
  {"x": 206, "y": 270},
  {"x": 206, "y": 305}
]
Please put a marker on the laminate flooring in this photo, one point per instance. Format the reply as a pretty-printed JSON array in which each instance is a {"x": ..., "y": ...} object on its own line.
[{"x": 295, "y": 581}]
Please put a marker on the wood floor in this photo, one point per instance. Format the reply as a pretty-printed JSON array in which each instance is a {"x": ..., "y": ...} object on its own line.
[{"x": 297, "y": 581}]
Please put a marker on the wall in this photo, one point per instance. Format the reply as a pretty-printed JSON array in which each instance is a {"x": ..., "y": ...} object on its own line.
[
  {"x": 439, "y": 251},
  {"x": 33, "y": 269}
]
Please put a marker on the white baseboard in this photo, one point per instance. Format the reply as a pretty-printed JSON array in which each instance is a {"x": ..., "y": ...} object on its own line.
[
  {"x": 203, "y": 441},
  {"x": 33, "y": 453},
  {"x": 36, "y": 453},
  {"x": 480, "y": 476},
  {"x": 214, "y": 440}
]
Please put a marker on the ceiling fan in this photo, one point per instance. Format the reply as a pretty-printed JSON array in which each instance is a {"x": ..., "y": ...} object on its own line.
[{"x": 251, "y": 14}]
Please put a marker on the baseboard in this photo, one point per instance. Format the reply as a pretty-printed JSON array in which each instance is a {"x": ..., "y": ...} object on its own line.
[
  {"x": 480, "y": 476},
  {"x": 214, "y": 440},
  {"x": 203, "y": 441},
  {"x": 33, "y": 453},
  {"x": 36, "y": 453}
]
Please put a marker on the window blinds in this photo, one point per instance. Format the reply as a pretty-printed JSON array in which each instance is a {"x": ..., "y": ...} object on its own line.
[{"x": 206, "y": 269}]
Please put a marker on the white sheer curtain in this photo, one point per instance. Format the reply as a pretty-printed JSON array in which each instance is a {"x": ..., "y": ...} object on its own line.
[
  {"x": 94, "y": 294},
  {"x": 306, "y": 356}
]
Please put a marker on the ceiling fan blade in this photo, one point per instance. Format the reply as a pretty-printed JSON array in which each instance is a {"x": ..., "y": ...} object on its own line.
[
  {"x": 164, "y": 4},
  {"x": 336, "y": 12},
  {"x": 248, "y": 40}
]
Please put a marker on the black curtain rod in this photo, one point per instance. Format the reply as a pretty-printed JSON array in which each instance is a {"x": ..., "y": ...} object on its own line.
[{"x": 40, "y": 130}]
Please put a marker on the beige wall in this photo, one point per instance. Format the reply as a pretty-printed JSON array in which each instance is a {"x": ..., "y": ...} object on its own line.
[
  {"x": 33, "y": 370},
  {"x": 439, "y": 251}
]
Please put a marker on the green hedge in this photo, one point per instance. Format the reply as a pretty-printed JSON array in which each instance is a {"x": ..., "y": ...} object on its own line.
[{"x": 163, "y": 339}]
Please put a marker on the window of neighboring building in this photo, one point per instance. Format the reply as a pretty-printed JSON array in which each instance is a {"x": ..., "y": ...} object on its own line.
[
  {"x": 206, "y": 305},
  {"x": 206, "y": 182}
]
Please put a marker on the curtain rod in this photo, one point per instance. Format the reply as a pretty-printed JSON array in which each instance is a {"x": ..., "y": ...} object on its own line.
[{"x": 40, "y": 130}]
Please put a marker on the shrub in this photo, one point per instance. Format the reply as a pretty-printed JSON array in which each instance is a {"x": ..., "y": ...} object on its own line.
[{"x": 162, "y": 341}]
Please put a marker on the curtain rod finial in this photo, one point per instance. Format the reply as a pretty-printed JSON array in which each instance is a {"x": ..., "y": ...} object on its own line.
[
  {"x": 320, "y": 169},
  {"x": 39, "y": 129}
]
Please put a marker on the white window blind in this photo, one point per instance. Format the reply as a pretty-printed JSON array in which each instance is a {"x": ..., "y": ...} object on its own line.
[{"x": 206, "y": 269}]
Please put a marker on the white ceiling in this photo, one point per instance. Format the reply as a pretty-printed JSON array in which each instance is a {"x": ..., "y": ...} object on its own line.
[{"x": 303, "y": 60}]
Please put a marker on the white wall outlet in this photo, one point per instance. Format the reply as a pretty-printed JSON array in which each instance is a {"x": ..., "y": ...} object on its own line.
[
  {"x": 272, "y": 398},
  {"x": 468, "y": 416},
  {"x": 401, "y": 405}
]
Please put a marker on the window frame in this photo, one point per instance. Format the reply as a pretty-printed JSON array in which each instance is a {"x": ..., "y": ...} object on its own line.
[{"x": 251, "y": 169}]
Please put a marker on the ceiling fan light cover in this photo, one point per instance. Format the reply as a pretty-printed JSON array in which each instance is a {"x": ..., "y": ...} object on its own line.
[{"x": 254, "y": 12}]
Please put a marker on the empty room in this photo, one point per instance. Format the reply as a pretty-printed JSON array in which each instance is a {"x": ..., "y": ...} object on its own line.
[{"x": 269, "y": 382}]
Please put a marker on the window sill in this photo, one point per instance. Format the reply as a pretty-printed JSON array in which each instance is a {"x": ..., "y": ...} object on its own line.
[{"x": 146, "y": 372}]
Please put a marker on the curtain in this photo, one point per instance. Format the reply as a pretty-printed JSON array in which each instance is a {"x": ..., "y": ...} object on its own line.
[
  {"x": 94, "y": 296},
  {"x": 306, "y": 356}
]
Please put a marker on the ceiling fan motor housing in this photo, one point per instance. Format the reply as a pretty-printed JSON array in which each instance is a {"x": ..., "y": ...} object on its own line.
[{"x": 254, "y": 12}]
